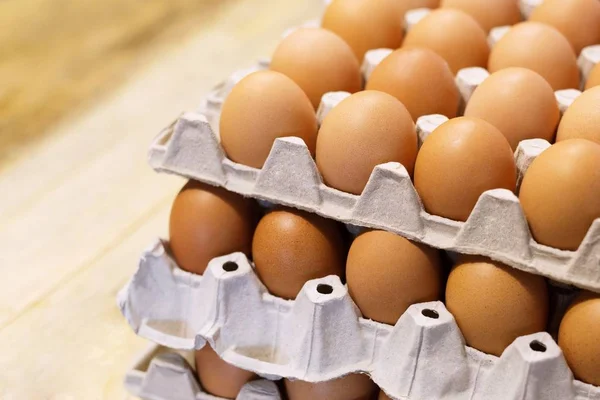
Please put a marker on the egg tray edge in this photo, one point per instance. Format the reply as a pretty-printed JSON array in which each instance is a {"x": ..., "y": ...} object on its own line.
[{"x": 321, "y": 336}]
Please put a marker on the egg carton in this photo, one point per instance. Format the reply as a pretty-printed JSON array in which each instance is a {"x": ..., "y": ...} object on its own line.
[
  {"x": 496, "y": 228},
  {"x": 161, "y": 375},
  {"x": 321, "y": 336}
]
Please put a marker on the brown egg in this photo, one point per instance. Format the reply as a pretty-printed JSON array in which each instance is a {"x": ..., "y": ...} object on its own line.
[
  {"x": 493, "y": 304},
  {"x": 387, "y": 273},
  {"x": 412, "y": 4},
  {"x": 382, "y": 396},
  {"x": 208, "y": 222},
  {"x": 263, "y": 106},
  {"x": 540, "y": 48},
  {"x": 582, "y": 118},
  {"x": 217, "y": 377},
  {"x": 593, "y": 78},
  {"x": 452, "y": 34},
  {"x": 489, "y": 14},
  {"x": 560, "y": 193},
  {"x": 366, "y": 24},
  {"x": 578, "y": 20},
  {"x": 319, "y": 61},
  {"x": 459, "y": 161},
  {"x": 349, "y": 387},
  {"x": 420, "y": 79},
  {"x": 291, "y": 247},
  {"x": 364, "y": 130},
  {"x": 517, "y": 101},
  {"x": 578, "y": 337}
]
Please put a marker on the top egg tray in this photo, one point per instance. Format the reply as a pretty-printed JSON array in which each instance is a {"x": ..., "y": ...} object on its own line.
[{"x": 496, "y": 228}]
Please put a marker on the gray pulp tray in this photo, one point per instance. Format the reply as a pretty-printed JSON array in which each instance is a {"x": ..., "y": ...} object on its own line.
[{"x": 321, "y": 335}]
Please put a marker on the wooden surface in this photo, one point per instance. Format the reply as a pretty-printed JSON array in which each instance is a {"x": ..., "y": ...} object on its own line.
[{"x": 79, "y": 205}]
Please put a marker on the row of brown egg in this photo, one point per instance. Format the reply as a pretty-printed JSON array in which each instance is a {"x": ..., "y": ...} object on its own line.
[
  {"x": 460, "y": 160},
  {"x": 556, "y": 32},
  {"x": 493, "y": 304}
]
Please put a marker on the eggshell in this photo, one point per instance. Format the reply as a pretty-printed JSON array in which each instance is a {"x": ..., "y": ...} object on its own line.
[
  {"x": 319, "y": 61},
  {"x": 459, "y": 161},
  {"x": 382, "y": 396},
  {"x": 387, "y": 273},
  {"x": 208, "y": 222},
  {"x": 263, "y": 106},
  {"x": 560, "y": 193},
  {"x": 366, "y": 24},
  {"x": 493, "y": 304},
  {"x": 578, "y": 20},
  {"x": 540, "y": 48},
  {"x": 454, "y": 35},
  {"x": 217, "y": 377},
  {"x": 364, "y": 130},
  {"x": 489, "y": 14},
  {"x": 420, "y": 79},
  {"x": 517, "y": 101},
  {"x": 578, "y": 337},
  {"x": 593, "y": 79},
  {"x": 291, "y": 247},
  {"x": 349, "y": 387},
  {"x": 582, "y": 118}
]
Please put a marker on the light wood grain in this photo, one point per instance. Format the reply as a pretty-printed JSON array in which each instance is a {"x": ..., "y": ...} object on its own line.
[{"x": 78, "y": 206}]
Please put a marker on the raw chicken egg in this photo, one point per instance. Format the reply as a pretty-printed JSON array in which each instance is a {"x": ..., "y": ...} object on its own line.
[
  {"x": 420, "y": 79},
  {"x": 582, "y": 118},
  {"x": 291, "y": 247},
  {"x": 387, "y": 273},
  {"x": 452, "y": 34},
  {"x": 560, "y": 193},
  {"x": 366, "y": 24},
  {"x": 593, "y": 79},
  {"x": 218, "y": 377},
  {"x": 364, "y": 130},
  {"x": 349, "y": 387},
  {"x": 489, "y": 14},
  {"x": 578, "y": 20},
  {"x": 319, "y": 61},
  {"x": 517, "y": 101},
  {"x": 459, "y": 161},
  {"x": 383, "y": 396},
  {"x": 263, "y": 106},
  {"x": 540, "y": 48},
  {"x": 208, "y": 222},
  {"x": 493, "y": 304},
  {"x": 578, "y": 337}
]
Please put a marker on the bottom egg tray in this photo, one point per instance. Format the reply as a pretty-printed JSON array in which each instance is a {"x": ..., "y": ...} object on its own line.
[
  {"x": 321, "y": 336},
  {"x": 159, "y": 374}
]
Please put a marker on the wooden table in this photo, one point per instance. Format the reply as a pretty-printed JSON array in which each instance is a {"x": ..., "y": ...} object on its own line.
[{"x": 78, "y": 207}]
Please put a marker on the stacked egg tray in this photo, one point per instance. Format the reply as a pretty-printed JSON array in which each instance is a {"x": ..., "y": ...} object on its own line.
[
  {"x": 167, "y": 375},
  {"x": 321, "y": 335}
]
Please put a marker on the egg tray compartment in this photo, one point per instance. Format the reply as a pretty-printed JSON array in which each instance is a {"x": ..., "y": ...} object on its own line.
[
  {"x": 321, "y": 336},
  {"x": 159, "y": 374},
  {"x": 496, "y": 228}
]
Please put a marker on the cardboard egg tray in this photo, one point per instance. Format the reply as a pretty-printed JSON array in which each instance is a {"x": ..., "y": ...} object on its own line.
[
  {"x": 496, "y": 228},
  {"x": 320, "y": 336},
  {"x": 162, "y": 375}
]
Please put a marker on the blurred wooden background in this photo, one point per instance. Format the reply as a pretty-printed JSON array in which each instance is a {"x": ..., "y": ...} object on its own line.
[
  {"x": 84, "y": 87},
  {"x": 57, "y": 55}
]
